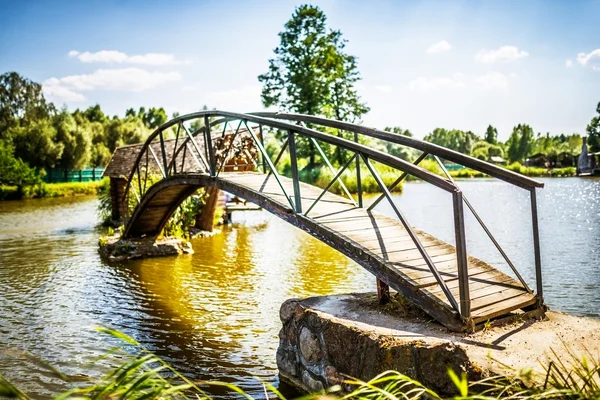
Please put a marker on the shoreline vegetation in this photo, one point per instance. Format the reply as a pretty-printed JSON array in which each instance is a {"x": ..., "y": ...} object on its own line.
[
  {"x": 319, "y": 177},
  {"x": 51, "y": 190}
]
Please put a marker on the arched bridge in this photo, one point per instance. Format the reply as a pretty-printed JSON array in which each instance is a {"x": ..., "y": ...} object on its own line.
[{"x": 229, "y": 151}]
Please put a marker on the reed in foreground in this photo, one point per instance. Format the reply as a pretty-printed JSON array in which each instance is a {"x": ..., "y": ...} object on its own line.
[{"x": 143, "y": 375}]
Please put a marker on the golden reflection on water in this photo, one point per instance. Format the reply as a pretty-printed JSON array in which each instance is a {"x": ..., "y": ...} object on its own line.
[{"x": 215, "y": 314}]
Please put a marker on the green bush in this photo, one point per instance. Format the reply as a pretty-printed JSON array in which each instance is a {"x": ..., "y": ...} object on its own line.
[{"x": 43, "y": 190}]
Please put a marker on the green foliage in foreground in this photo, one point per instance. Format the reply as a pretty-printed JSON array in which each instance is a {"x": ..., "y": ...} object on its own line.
[
  {"x": 44, "y": 190},
  {"x": 143, "y": 375}
]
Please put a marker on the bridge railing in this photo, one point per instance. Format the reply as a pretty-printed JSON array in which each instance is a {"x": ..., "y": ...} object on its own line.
[
  {"x": 438, "y": 152},
  {"x": 209, "y": 147}
]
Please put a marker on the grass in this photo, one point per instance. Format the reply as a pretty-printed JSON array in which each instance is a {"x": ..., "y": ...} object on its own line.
[
  {"x": 46, "y": 190},
  {"x": 141, "y": 374}
]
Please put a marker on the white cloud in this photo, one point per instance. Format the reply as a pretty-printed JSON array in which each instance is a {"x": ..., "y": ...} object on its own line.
[
  {"x": 423, "y": 84},
  {"x": 504, "y": 54},
  {"x": 383, "y": 88},
  {"x": 113, "y": 56},
  {"x": 569, "y": 63},
  {"x": 591, "y": 59},
  {"x": 492, "y": 80},
  {"x": 69, "y": 87},
  {"x": 439, "y": 47},
  {"x": 55, "y": 92}
]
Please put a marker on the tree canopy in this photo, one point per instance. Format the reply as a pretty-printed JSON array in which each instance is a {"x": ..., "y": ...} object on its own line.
[
  {"x": 593, "y": 131},
  {"x": 312, "y": 74}
]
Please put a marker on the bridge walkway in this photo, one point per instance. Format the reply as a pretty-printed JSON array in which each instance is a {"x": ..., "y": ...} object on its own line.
[{"x": 455, "y": 288}]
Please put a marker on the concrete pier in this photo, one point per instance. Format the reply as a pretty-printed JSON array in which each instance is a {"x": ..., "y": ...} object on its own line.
[{"x": 326, "y": 338}]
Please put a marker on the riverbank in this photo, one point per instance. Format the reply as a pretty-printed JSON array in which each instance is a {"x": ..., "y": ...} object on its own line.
[
  {"x": 322, "y": 176},
  {"x": 324, "y": 339},
  {"x": 200, "y": 310},
  {"x": 49, "y": 190}
]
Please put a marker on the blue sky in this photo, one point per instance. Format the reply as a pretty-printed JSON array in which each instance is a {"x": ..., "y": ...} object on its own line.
[{"x": 427, "y": 64}]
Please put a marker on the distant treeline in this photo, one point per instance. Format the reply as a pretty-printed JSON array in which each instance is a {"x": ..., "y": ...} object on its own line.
[
  {"x": 35, "y": 135},
  {"x": 522, "y": 143}
]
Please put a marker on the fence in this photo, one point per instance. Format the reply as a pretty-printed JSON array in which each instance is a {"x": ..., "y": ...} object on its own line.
[{"x": 55, "y": 175}]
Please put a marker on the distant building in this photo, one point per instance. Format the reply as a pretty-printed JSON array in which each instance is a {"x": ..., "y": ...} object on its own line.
[
  {"x": 539, "y": 160},
  {"x": 587, "y": 163},
  {"x": 497, "y": 160}
]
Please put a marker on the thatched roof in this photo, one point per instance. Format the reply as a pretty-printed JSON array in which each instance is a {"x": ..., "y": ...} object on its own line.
[{"x": 123, "y": 159}]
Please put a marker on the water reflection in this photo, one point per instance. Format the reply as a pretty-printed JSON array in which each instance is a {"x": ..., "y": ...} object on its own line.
[{"x": 214, "y": 314}]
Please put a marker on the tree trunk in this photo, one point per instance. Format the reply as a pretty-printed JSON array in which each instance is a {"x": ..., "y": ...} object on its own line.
[{"x": 205, "y": 219}]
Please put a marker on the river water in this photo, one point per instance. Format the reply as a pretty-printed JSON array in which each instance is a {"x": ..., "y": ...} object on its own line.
[{"x": 214, "y": 314}]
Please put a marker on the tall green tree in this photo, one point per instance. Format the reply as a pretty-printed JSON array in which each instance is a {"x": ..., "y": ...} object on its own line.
[
  {"x": 593, "y": 131},
  {"x": 312, "y": 74},
  {"x": 75, "y": 140},
  {"x": 154, "y": 117},
  {"x": 520, "y": 144},
  {"x": 491, "y": 135},
  {"x": 21, "y": 102},
  {"x": 403, "y": 152},
  {"x": 13, "y": 171},
  {"x": 95, "y": 114},
  {"x": 453, "y": 139},
  {"x": 36, "y": 144}
]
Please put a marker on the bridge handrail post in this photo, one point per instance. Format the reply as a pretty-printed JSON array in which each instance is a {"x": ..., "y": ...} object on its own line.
[
  {"x": 358, "y": 178},
  {"x": 262, "y": 142},
  {"x": 536, "y": 247},
  {"x": 461, "y": 254},
  {"x": 270, "y": 163},
  {"x": 209, "y": 146},
  {"x": 413, "y": 236},
  {"x": 295, "y": 177},
  {"x": 485, "y": 228},
  {"x": 164, "y": 153}
]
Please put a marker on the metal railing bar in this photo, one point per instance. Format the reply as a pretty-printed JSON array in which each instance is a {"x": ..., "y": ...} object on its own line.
[
  {"x": 157, "y": 162},
  {"x": 536, "y": 247},
  {"x": 485, "y": 228},
  {"x": 174, "y": 157},
  {"x": 195, "y": 145},
  {"x": 333, "y": 170},
  {"x": 377, "y": 155},
  {"x": 284, "y": 145},
  {"x": 396, "y": 182},
  {"x": 412, "y": 235},
  {"x": 139, "y": 177},
  {"x": 451, "y": 155},
  {"x": 164, "y": 153},
  {"x": 194, "y": 156},
  {"x": 358, "y": 177},
  {"x": 461, "y": 254},
  {"x": 224, "y": 160},
  {"x": 209, "y": 145},
  {"x": 340, "y": 172},
  {"x": 185, "y": 149},
  {"x": 295, "y": 177},
  {"x": 146, "y": 170},
  {"x": 271, "y": 166},
  {"x": 262, "y": 142},
  {"x": 134, "y": 192}
]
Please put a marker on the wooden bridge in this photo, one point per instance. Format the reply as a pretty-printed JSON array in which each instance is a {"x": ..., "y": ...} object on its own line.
[{"x": 227, "y": 151}]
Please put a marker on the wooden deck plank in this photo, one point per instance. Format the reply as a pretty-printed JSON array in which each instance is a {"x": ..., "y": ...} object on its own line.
[{"x": 372, "y": 238}]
